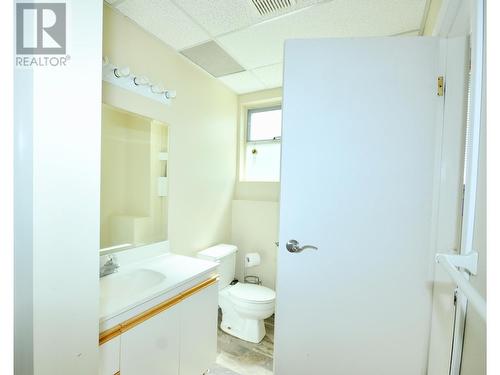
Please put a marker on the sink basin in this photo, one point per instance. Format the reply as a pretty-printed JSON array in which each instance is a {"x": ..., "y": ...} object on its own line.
[
  {"x": 137, "y": 283},
  {"x": 125, "y": 284}
]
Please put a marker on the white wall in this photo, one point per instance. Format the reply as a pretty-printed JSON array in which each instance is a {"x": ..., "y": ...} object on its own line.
[
  {"x": 23, "y": 223},
  {"x": 58, "y": 134},
  {"x": 202, "y": 129}
]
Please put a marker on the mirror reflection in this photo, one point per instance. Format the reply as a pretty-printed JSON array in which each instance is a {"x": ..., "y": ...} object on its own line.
[{"x": 134, "y": 180}]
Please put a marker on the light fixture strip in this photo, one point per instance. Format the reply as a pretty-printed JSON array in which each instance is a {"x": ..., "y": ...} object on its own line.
[{"x": 121, "y": 76}]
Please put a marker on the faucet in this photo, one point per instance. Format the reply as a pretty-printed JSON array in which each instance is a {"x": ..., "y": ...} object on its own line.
[{"x": 110, "y": 266}]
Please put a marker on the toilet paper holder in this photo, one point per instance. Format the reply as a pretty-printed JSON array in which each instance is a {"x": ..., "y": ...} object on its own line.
[
  {"x": 252, "y": 260},
  {"x": 250, "y": 279}
]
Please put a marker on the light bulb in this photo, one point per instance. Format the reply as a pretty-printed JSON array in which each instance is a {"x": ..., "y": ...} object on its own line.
[
  {"x": 170, "y": 94},
  {"x": 121, "y": 72},
  {"x": 141, "y": 81},
  {"x": 157, "y": 89}
]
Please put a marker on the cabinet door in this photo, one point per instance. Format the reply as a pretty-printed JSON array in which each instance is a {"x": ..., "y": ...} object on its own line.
[
  {"x": 109, "y": 357},
  {"x": 152, "y": 347},
  {"x": 199, "y": 331}
]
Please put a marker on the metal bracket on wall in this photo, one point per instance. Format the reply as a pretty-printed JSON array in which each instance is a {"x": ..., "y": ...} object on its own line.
[
  {"x": 451, "y": 264},
  {"x": 467, "y": 262}
]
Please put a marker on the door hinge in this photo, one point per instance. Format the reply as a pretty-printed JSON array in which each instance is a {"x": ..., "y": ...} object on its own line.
[{"x": 440, "y": 88}]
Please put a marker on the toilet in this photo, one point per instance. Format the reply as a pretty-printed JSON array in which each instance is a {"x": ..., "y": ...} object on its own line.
[{"x": 244, "y": 306}]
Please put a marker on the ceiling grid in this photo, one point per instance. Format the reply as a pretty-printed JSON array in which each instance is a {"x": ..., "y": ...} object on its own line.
[{"x": 246, "y": 37}]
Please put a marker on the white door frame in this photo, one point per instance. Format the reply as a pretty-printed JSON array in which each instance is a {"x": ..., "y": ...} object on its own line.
[
  {"x": 472, "y": 167},
  {"x": 447, "y": 26}
]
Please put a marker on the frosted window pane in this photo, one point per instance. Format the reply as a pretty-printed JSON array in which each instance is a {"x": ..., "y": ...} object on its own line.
[
  {"x": 263, "y": 164},
  {"x": 264, "y": 125}
]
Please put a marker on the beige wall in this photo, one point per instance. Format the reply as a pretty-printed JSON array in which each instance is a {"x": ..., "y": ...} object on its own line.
[
  {"x": 255, "y": 210},
  {"x": 432, "y": 16},
  {"x": 202, "y": 129},
  {"x": 255, "y": 229},
  {"x": 261, "y": 191}
]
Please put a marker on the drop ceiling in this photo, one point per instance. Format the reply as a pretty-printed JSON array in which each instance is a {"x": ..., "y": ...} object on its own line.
[{"x": 251, "y": 43}]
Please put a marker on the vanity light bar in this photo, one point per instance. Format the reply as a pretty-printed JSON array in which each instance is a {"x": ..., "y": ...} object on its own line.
[{"x": 122, "y": 77}]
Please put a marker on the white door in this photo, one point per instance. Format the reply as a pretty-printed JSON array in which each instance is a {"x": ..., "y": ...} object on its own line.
[{"x": 359, "y": 145}]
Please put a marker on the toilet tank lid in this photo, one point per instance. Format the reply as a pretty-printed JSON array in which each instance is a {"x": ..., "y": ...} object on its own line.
[{"x": 218, "y": 251}]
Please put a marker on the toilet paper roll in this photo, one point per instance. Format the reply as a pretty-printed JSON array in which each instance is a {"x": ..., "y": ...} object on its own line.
[{"x": 252, "y": 259}]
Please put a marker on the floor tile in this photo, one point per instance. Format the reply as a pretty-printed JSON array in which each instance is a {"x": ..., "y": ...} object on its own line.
[{"x": 239, "y": 357}]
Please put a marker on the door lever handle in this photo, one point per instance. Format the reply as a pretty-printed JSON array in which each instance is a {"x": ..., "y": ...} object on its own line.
[{"x": 293, "y": 247}]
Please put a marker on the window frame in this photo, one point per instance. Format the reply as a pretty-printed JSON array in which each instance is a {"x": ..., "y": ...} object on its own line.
[
  {"x": 249, "y": 113},
  {"x": 244, "y": 140}
]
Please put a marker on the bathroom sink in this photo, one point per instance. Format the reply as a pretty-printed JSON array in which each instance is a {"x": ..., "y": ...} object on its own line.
[
  {"x": 126, "y": 284},
  {"x": 136, "y": 283}
]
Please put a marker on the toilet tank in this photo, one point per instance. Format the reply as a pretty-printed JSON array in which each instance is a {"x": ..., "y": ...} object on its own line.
[{"x": 225, "y": 255}]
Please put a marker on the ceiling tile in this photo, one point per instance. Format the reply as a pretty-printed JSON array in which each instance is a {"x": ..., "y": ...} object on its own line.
[
  {"x": 222, "y": 16},
  {"x": 271, "y": 76},
  {"x": 211, "y": 57},
  {"x": 262, "y": 44},
  {"x": 243, "y": 82},
  {"x": 163, "y": 19}
]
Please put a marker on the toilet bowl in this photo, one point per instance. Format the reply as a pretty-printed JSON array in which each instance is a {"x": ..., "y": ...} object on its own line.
[{"x": 244, "y": 306}]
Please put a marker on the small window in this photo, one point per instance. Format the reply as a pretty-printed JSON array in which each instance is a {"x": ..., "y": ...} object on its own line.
[
  {"x": 264, "y": 124},
  {"x": 263, "y": 144}
]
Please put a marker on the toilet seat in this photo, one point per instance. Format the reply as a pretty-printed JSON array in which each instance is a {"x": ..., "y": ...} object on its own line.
[{"x": 252, "y": 293}]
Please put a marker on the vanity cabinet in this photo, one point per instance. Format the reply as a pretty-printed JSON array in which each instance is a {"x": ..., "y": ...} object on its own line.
[
  {"x": 152, "y": 347},
  {"x": 177, "y": 337},
  {"x": 198, "y": 341},
  {"x": 109, "y": 357}
]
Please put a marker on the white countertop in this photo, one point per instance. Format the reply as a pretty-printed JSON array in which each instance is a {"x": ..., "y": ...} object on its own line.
[{"x": 137, "y": 283}]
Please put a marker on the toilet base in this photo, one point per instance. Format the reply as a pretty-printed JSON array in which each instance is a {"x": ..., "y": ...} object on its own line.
[{"x": 251, "y": 330}]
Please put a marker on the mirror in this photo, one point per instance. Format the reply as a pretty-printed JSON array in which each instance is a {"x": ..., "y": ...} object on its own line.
[{"x": 134, "y": 180}]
